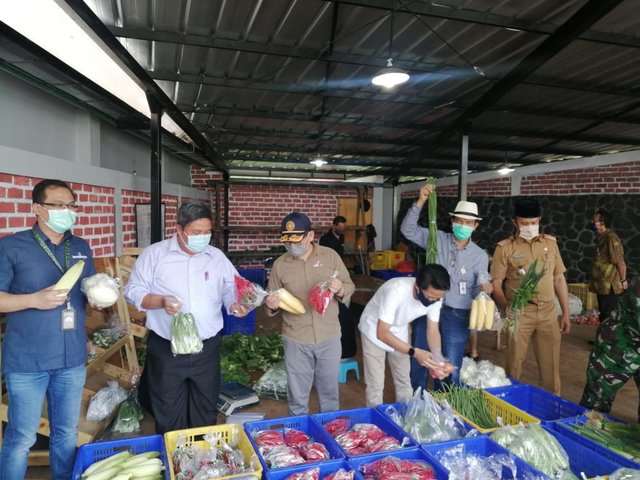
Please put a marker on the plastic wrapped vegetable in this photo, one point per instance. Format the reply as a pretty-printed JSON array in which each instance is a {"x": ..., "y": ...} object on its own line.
[
  {"x": 129, "y": 414},
  {"x": 482, "y": 314},
  {"x": 101, "y": 290},
  {"x": 394, "y": 468},
  {"x": 249, "y": 295},
  {"x": 483, "y": 374},
  {"x": 463, "y": 465},
  {"x": 105, "y": 401},
  {"x": 320, "y": 296},
  {"x": 185, "y": 338},
  {"x": 426, "y": 421},
  {"x": 107, "y": 337},
  {"x": 537, "y": 447},
  {"x": 273, "y": 384}
]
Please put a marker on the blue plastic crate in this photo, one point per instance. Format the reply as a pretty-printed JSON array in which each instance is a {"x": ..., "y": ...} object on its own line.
[
  {"x": 388, "y": 274},
  {"x": 303, "y": 423},
  {"x": 255, "y": 275},
  {"x": 537, "y": 402},
  {"x": 366, "y": 415},
  {"x": 484, "y": 447},
  {"x": 233, "y": 324},
  {"x": 563, "y": 427},
  {"x": 326, "y": 469},
  {"x": 591, "y": 462},
  {"x": 405, "y": 454},
  {"x": 402, "y": 408},
  {"x": 92, "y": 452}
]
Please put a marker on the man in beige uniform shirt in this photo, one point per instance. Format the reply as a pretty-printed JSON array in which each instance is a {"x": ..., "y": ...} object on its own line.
[
  {"x": 312, "y": 347},
  {"x": 538, "y": 321}
]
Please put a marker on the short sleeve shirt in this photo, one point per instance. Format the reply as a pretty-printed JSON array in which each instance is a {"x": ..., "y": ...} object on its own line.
[
  {"x": 513, "y": 257},
  {"x": 34, "y": 340},
  {"x": 394, "y": 303}
]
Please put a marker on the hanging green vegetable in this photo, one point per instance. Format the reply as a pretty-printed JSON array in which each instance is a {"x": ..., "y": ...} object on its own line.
[{"x": 432, "y": 207}]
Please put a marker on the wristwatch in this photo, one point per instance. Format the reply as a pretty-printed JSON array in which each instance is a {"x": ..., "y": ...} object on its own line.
[{"x": 412, "y": 351}]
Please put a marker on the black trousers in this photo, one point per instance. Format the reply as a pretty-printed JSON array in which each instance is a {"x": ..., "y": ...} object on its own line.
[
  {"x": 348, "y": 330},
  {"x": 181, "y": 391},
  {"x": 607, "y": 304}
]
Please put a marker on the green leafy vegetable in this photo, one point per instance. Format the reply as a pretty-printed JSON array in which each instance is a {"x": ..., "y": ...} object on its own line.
[
  {"x": 241, "y": 354},
  {"x": 185, "y": 338}
]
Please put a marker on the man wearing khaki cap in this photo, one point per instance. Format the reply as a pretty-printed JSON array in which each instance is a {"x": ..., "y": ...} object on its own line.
[
  {"x": 467, "y": 265},
  {"x": 312, "y": 348}
]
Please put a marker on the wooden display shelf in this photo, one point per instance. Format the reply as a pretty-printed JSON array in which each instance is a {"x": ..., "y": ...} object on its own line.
[{"x": 87, "y": 430}]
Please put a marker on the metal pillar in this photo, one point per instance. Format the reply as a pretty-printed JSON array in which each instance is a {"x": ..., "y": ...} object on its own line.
[
  {"x": 464, "y": 164},
  {"x": 156, "y": 169}
]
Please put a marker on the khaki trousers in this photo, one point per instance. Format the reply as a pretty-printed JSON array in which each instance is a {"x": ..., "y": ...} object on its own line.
[
  {"x": 537, "y": 324},
  {"x": 374, "y": 370}
]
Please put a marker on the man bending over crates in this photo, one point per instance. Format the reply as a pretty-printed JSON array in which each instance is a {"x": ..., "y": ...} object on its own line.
[{"x": 384, "y": 326}]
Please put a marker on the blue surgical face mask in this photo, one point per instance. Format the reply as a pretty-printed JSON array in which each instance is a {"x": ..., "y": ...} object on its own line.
[
  {"x": 296, "y": 249},
  {"x": 423, "y": 299},
  {"x": 197, "y": 243},
  {"x": 61, "y": 220},
  {"x": 462, "y": 232}
]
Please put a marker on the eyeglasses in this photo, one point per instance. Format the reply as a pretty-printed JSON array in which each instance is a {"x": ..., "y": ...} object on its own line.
[{"x": 61, "y": 205}]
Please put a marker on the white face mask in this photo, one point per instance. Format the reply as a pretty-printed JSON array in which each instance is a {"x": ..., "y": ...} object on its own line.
[{"x": 529, "y": 232}]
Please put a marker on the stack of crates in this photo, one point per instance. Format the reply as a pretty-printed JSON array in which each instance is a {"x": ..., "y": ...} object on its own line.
[
  {"x": 384, "y": 265},
  {"x": 581, "y": 290}
]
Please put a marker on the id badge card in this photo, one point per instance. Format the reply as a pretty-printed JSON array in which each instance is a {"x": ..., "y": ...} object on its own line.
[
  {"x": 462, "y": 286},
  {"x": 68, "y": 318}
]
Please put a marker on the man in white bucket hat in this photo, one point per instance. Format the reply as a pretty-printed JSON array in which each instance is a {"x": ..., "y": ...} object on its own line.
[{"x": 467, "y": 265}]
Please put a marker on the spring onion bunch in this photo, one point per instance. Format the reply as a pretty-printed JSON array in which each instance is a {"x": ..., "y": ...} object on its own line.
[
  {"x": 469, "y": 403},
  {"x": 522, "y": 294},
  {"x": 622, "y": 438},
  {"x": 432, "y": 207}
]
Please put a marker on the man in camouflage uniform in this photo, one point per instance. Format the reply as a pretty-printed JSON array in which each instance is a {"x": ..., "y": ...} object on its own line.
[
  {"x": 538, "y": 321},
  {"x": 615, "y": 357},
  {"x": 609, "y": 271}
]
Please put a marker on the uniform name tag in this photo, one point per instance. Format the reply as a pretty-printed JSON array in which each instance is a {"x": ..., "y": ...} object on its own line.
[{"x": 463, "y": 288}]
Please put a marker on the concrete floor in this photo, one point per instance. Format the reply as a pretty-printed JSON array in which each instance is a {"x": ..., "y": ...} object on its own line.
[{"x": 574, "y": 357}]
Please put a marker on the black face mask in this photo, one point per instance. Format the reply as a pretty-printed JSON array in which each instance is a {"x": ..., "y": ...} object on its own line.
[{"x": 424, "y": 300}]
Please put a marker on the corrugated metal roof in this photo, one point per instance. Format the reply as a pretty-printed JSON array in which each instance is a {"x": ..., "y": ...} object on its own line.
[{"x": 274, "y": 83}]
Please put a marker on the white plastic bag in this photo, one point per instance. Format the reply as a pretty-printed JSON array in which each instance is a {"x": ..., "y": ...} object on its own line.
[
  {"x": 105, "y": 401},
  {"x": 102, "y": 291}
]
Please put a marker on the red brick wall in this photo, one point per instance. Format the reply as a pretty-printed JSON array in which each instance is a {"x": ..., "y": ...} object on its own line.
[
  {"x": 129, "y": 200},
  {"x": 96, "y": 220},
  {"x": 611, "y": 179},
  {"x": 96, "y": 216}
]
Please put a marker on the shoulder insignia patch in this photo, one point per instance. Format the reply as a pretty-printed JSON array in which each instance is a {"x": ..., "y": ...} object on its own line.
[{"x": 550, "y": 237}]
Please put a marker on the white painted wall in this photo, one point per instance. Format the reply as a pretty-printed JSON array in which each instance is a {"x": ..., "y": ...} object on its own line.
[{"x": 45, "y": 137}]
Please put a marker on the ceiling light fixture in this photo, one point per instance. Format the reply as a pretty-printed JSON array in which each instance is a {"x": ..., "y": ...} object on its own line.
[
  {"x": 318, "y": 162},
  {"x": 506, "y": 169},
  {"x": 390, "y": 76}
]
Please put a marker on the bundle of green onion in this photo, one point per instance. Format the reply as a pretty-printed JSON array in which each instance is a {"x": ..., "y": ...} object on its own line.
[
  {"x": 469, "y": 403},
  {"x": 432, "y": 207},
  {"x": 522, "y": 294},
  {"x": 622, "y": 438}
]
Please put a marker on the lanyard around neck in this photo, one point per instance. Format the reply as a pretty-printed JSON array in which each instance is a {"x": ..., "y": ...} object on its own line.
[{"x": 48, "y": 251}]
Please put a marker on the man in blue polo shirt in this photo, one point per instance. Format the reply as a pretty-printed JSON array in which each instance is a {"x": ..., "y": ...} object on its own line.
[{"x": 42, "y": 356}]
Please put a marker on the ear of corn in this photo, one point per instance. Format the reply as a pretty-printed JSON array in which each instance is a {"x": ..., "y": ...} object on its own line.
[
  {"x": 491, "y": 308},
  {"x": 106, "y": 463},
  {"x": 71, "y": 276},
  {"x": 473, "y": 317},
  {"x": 289, "y": 303}
]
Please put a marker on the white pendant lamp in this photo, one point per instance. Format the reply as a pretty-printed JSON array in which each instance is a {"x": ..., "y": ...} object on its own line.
[{"x": 390, "y": 77}]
